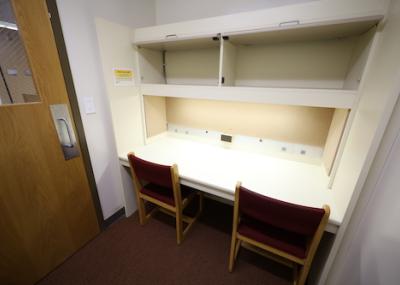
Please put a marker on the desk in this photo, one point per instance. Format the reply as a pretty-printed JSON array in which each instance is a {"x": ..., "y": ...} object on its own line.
[{"x": 215, "y": 170}]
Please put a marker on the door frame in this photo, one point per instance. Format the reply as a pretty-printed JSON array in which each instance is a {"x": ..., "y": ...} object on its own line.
[{"x": 76, "y": 114}]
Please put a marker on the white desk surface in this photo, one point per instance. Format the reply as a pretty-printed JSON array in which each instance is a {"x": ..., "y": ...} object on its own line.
[{"x": 216, "y": 170}]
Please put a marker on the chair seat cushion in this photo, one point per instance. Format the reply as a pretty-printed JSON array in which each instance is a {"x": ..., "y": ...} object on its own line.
[
  {"x": 165, "y": 194},
  {"x": 286, "y": 241}
]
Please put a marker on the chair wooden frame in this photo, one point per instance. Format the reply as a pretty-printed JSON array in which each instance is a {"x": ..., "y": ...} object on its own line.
[
  {"x": 175, "y": 211},
  {"x": 301, "y": 267}
]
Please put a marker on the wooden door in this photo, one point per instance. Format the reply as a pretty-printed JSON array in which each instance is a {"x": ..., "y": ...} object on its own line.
[{"x": 46, "y": 209}]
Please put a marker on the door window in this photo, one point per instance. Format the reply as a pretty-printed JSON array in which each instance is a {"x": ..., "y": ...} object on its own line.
[{"x": 16, "y": 82}]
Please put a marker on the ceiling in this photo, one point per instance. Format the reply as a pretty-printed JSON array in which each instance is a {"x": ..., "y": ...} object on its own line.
[{"x": 6, "y": 12}]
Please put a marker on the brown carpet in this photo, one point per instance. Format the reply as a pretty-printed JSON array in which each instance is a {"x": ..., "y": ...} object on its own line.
[{"x": 127, "y": 253}]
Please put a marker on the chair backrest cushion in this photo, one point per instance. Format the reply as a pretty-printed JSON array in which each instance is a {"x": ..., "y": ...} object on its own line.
[
  {"x": 151, "y": 172},
  {"x": 291, "y": 217}
]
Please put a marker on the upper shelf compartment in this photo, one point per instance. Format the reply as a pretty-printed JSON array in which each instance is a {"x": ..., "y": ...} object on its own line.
[
  {"x": 193, "y": 61},
  {"x": 331, "y": 55}
]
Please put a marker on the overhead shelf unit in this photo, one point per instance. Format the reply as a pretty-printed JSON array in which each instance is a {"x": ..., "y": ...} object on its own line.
[
  {"x": 318, "y": 64},
  {"x": 304, "y": 63}
]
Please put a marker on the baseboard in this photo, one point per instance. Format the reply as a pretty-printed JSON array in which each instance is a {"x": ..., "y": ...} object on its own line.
[{"x": 107, "y": 222}]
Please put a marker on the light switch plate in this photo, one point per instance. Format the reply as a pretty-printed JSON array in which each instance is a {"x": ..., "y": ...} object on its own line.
[
  {"x": 88, "y": 102},
  {"x": 12, "y": 71}
]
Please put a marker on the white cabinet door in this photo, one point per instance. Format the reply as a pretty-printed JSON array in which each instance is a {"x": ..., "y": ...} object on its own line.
[{"x": 314, "y": 12}]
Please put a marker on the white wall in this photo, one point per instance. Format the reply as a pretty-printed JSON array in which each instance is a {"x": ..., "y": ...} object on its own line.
[
  {"x": 78, "y": 24},
  {"x": 370, "y": 251},
  {"x": 116, "y": 51},
  {"x": 170, "y": 11},
  {"x": 379, "y": 93}
]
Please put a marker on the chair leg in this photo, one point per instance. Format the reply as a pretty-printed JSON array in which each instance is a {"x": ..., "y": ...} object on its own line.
[
  {"x": 201, "y": 198},
  {"x": 142, "y": 211},
  {"x": 232, "y": 255},
  {"x": 303, "y": 273},
  {"x": 179, "y": 227},
  {"x": 295, "y": 274},
  {"x": 190, "y": 221},
  {"x": 238, "y": 244}
]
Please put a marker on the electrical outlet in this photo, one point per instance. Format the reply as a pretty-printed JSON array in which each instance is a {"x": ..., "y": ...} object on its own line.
[{"x": 226, "y": 138}]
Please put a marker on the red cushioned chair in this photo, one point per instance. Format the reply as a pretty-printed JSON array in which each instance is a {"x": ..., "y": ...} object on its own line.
[
  {"x": 159, "y": 185},
  {"x": 285, "y": 232}
]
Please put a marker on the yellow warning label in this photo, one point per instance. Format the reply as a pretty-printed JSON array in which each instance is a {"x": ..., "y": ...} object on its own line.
[{"x": 123, "y": 77}]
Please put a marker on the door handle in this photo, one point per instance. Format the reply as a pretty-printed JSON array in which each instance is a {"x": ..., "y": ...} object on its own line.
[
  {"x": 65, "y": 143},
  {"x": 65, "y": 132}
]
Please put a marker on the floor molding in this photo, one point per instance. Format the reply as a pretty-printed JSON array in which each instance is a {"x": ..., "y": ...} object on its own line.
[{"x": 118, "y": 214}]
